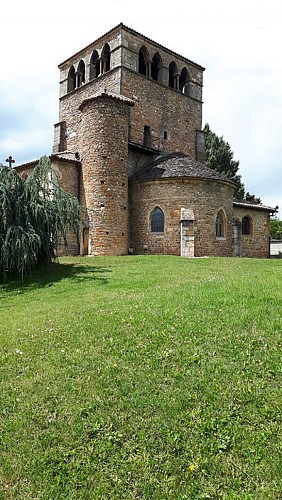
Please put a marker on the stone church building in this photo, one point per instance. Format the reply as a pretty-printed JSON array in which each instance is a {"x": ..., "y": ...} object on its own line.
[{"x": 129, "y": 144}]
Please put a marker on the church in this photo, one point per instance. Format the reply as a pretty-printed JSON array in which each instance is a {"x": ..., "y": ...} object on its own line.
[{"x": 129, "y": 145}]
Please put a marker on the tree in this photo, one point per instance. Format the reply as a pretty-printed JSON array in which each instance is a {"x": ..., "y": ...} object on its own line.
[
  {"x": 276, "y": 229},
  {"x": 219, "y": 156},
  {"x": 35, "y": 216}
]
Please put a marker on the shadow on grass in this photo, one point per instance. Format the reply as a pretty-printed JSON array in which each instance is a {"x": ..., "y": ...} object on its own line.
[{"x": 48, "y": 275}]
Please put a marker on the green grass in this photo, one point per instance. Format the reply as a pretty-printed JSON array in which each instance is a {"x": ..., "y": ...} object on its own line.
[{"x": 142, "y": 378}]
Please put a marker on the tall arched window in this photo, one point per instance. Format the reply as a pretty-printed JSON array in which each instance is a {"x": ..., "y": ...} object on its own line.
[
  {"x": 220, "y": 224},
  {"x": 246, "y": 225},
  {"x": 157, "y": 220},
  {"x": 173, "y": 76},
  {"x": 106, "y": 58},
  {"x": 94, "y": 65},
  {"x": 156, "y": 67},
  {"x": 80, "y": 74},
  {"x": 184, "y": 82},
  {"x": 71, "y": 79},
  {"x": 143, "y": 61}
]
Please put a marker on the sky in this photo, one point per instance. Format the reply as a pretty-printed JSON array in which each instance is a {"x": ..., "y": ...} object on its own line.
[{"x": 236, "y": 41}]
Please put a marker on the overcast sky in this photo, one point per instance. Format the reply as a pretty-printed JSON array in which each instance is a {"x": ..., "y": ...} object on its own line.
[{"x": 237, "y": 41}]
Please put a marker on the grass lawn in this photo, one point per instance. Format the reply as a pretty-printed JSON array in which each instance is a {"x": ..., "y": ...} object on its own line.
[{"x": 142, "y": 378}]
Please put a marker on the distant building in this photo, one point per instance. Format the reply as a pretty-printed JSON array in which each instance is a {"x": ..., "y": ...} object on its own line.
[{"x": 129, "y": 144}]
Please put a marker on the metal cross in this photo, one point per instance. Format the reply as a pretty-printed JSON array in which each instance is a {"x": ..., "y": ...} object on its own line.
[{"x": 10, "y": 160}]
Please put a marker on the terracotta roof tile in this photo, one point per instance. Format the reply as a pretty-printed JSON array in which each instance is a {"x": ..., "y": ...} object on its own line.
[{"x": 256, "y": 206}]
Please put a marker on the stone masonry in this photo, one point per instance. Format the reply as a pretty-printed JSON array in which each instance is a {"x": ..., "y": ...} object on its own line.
[{"x": 129, "y": 144}]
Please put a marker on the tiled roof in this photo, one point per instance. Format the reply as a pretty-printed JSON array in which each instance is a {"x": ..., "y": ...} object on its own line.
[
  {"x": 256, "y": 206},
  {"x": 111, "y": 95},
  {"x": 63, "y": 156},
  {"x": 30, "y": 164},
  {"x": 66, "y": 156},
  {"x": 177, "y": 165}
]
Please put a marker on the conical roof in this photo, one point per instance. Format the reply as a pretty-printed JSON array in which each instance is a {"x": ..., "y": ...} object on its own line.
[{"x": 177, "y": 165}]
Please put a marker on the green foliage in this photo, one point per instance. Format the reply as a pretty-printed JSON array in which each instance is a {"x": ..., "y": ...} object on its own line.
[
  {"x": 142, "y": 377},
  {"x": 252, "y": 198},
  {"x": 35, "y": 214},
  {"x": 276, "y": 229},
  {"x": 219, "y": 156}
]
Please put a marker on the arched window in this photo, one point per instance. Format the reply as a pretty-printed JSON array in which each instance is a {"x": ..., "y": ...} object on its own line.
[
  {"x": 143, "y": 61},
  {"x": 157, "y": 220},
  {"x": 173, "y": 76},
  {"x": 106, "y": 58},
  {"x": 94, "y": 65},
  {"x": 80, "y": 74},
  {"x": 156, "y": 67},
  {"x": 184, "y": 82},
  {"x": 71, "y": 79},
  {"x": 246, "y": 225},
  {"x": 220, "y": 225}
]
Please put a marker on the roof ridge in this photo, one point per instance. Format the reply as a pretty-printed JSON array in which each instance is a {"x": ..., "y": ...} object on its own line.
[{"x": 131, "y": 30}]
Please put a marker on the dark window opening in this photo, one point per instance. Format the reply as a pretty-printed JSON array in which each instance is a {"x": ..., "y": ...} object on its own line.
[
  {"x": 147, "y": 137},
  {"x": 142, "y": 64},
  {"x": 173, "y": 76},
  {"x": 94, "y": 65},
  {"x": 106, "y": 58},
  {"x": 80, "y": 75},
  {"x": 102, "y": 182},
  {"x": 143, "y": 61},
  {"x": 165, "y": 135},
  {"x": 246, "y": 225},
  {"x": 157, "y": 220},
  {"x": 184, "y": 82},
  {"x": 156, "y": 67},
  {"x": 71, "y": 79},
  {"x": 219, "y": 225}
]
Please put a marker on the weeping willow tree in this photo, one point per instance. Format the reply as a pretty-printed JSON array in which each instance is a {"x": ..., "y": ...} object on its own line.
[{"x": 36, "y": 215}]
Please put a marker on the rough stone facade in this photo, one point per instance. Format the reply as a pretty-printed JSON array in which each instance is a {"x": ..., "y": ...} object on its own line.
[
  {"x": 256, "y": 243},
  {"x": 129, "y": 144},
  {"x": 204, "y": 197},
  {"x": 105, "y": 173}
]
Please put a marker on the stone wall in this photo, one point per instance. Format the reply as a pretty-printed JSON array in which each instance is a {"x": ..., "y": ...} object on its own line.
[
  {"x": 69, "y": 178},
  {"x": 205, "y": 198},
  {"x": 104, "y": 149},
  {"x": 125, "y": 44},
  {"x": 70, "y": 116},
  {"x": 173, "y": 118},
  {"x": 255, "y": 244}
]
